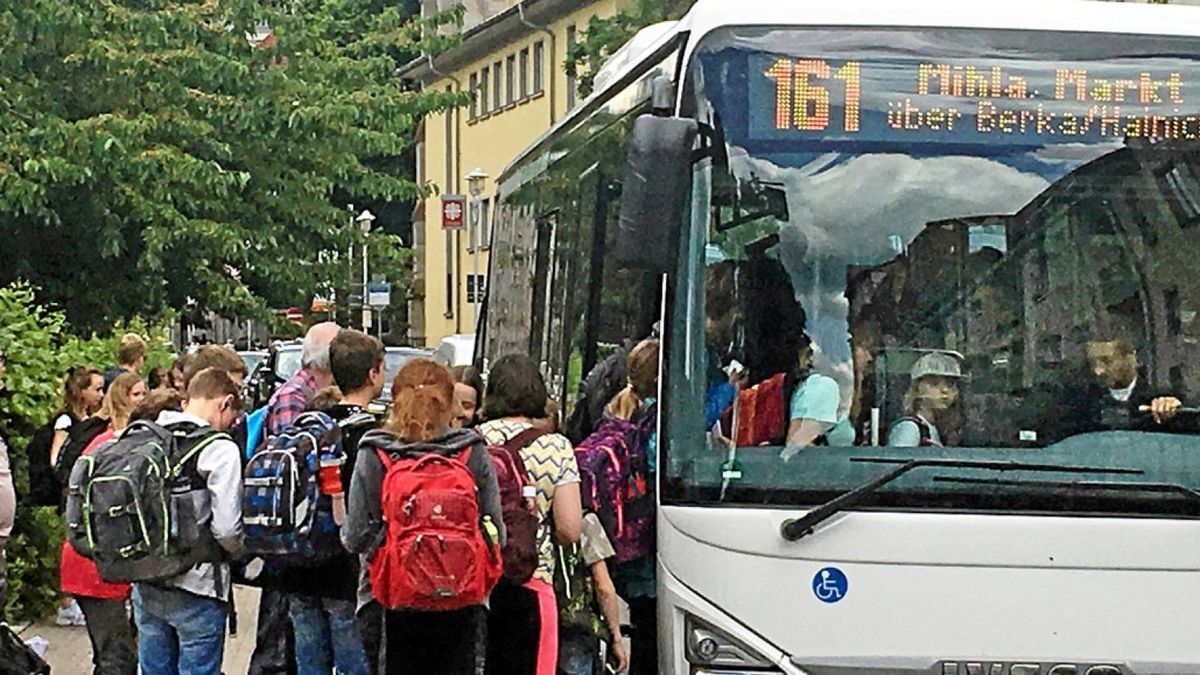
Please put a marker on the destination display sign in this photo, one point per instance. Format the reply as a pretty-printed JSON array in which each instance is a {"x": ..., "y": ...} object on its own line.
[{"x": 980, "y": 101}]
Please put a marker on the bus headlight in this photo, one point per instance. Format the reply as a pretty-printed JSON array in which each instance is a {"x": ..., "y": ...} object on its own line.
[{"x": 711, "y": 647}]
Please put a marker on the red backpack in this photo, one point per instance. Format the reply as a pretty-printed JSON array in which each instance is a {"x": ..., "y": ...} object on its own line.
[
  {"x": 435, "y": 555},
  {"x": 521, "y": 549}
]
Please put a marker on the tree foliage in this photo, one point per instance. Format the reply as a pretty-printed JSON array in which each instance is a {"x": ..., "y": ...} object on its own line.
[
  {"x": 603, "y": 36},
  {"x": 153, "y": 156}
]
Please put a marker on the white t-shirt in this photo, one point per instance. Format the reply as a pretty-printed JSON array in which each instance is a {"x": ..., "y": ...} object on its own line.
[
  {"x": 63, "y": 423},
  {"x": 8, "y": 496}
]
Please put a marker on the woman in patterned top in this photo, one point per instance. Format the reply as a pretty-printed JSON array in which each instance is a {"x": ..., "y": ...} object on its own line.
[{"x": 523, "y": 624}]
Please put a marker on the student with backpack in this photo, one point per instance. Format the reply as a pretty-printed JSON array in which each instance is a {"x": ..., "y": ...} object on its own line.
[
  {"x": 523, "y": 623},
  {"x": 322, "y": 597},
  {"x": 114, "y": 409},
  {"x": 83, "y": 392},
  {"x": 931, "y": 399},
  {"x": 588, "y": 610},
  {"x": 274, "y": 644},
  {"x": 424, "y": 506},
  {"x": 103, "y": 603},
  {"x": 181, "y": 619},
  {"x": 617, "y": 464}
]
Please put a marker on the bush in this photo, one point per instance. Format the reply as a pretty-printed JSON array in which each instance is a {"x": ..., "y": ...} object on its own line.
[
  {"x": 33, "y": 553},
  {"x": 39, "y": 349}
]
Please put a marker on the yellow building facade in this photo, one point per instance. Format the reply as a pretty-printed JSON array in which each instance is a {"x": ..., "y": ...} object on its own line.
[{"x": 513, "y": 61}]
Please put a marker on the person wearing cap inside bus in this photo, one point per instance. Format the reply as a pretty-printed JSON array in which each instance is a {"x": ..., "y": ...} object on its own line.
[{"x": 932, "y": 394}]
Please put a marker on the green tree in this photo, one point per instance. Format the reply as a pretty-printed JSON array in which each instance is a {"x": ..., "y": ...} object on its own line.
[
  {"x": 603, "y": 36},
  {"x": 155, "y": 156}
]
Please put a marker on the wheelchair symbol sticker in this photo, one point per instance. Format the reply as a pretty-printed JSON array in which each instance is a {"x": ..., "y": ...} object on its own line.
[{"x": 830, "y": 585}]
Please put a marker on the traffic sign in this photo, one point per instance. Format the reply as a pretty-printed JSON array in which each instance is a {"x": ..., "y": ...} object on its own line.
[
  {"x": 294, "y": 314},
  {"x": 379, "y": 294},
  {"x": 454, "y": 209}
]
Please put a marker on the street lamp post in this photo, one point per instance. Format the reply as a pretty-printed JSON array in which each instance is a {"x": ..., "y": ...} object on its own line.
[
  {"x": 364, "y": 221},
  {"x": 475, "y": 182}
]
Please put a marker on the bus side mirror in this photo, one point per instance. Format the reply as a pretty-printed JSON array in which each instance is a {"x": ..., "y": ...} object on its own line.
[{"x": 658, "y": 172}]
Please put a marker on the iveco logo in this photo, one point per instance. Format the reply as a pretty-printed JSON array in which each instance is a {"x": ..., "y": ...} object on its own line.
[{"x": 1002, "y": 668}]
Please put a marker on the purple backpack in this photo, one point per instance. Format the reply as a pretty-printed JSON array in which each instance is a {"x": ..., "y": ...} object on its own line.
[{"x": 616, "y": 484}]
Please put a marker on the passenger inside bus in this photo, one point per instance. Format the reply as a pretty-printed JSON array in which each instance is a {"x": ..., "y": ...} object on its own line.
[
  {"x": 930, "y": 403},
  {"x": 722, "y": 318},
  {"x": 815, "y": 406}
]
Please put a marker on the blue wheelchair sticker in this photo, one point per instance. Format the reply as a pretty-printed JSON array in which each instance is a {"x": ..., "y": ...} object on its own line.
[{"x": 830, "y": 585}]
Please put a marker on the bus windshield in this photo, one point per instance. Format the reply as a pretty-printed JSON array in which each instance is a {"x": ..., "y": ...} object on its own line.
[{"x": 945, "y": 243}]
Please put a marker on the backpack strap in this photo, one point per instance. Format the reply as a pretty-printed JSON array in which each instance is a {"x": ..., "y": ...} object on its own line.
[
  {"x": 522, "y": 440},
  {"x": 358, "y": 419},
  {"x": 924, "y": 433},
  {"x": 192, "y": 440}
]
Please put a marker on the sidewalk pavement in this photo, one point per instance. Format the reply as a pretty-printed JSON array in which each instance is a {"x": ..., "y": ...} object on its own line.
[{"x": 71, "y": 652}]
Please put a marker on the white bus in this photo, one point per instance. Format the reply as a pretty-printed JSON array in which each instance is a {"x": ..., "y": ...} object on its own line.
[{"x": 927, "y": 280}]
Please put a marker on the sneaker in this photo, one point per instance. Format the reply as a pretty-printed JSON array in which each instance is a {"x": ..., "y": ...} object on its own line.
[{"x": 71, "y": 615}]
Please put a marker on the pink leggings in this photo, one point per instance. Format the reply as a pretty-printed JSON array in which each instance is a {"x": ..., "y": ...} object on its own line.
[
  {"x": 548, "y": 625},
  {"x": 523, "y": 630}
]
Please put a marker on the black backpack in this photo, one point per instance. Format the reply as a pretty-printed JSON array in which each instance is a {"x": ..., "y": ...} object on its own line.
[
  {"x": 138, "y": 506},
  {"x": 595, "y": 392},
  {"x": 44, "y": 487},
  {"x": 78, "y": 438},
  {"x": 17, "y": 658}
]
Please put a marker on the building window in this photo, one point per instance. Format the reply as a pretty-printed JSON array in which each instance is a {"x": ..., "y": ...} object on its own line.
[
  {"x": 474, "y": 88},
  {"x": 485, "y": 220},
  {"x": 476, "y": 287},
  {"x": 523, "y": 72},
  {"x": 483, "y": 91},
  {"x": 539, "y": 58},
  {"x": 496, "y": 89},
  {"x": 510, "y": 80},
  {"x": 570, "y": 78}
]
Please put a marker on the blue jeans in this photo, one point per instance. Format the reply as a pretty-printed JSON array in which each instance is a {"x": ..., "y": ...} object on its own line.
[
  {"x": 179, "y": 633},
  {"x": 327, "y": 636}
]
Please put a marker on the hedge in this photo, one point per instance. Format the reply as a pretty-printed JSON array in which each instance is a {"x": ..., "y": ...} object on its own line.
[{"x": 39, "y": 348}]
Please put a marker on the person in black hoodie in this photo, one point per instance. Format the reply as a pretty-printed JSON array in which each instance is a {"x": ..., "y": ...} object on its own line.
[
  {"x": 332, "y": 630},
  {"x": 423, "y": 409}
]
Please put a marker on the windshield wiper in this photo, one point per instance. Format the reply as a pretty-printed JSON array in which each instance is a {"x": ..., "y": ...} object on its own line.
[
  {"x": 796, "y": 528},
  {"x": 1088, "y": 485}
]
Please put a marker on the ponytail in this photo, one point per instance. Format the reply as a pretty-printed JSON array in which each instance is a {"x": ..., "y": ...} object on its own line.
[
  {"x": 625, "y": 404},
  {"x": 642, "y": 369},
  {"x": 422, "y": 401}
]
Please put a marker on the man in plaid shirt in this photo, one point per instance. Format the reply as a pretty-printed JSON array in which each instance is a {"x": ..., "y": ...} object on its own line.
[
  {"x": 292, "y": 398},
  {"x": 271, "y": 655}
]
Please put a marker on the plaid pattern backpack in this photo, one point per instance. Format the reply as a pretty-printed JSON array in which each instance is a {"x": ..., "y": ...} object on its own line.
[{"x": 286, "y": 517}]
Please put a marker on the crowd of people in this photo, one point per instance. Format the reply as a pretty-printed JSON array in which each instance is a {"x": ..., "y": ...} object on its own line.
[{"x": 560, "y": 615}]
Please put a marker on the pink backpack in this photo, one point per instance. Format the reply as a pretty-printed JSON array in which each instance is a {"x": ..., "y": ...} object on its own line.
[{"x": 616, "y": 483}]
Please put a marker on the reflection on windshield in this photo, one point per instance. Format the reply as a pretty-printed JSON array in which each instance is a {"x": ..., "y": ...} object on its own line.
[
  {"x": 287, "y": 363},
  {"x": 394, "y": 359},
  {"x": 930, "y": 287}
]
